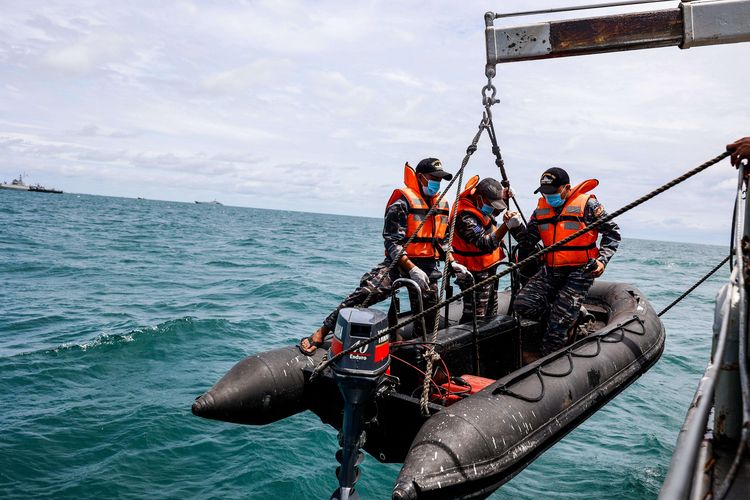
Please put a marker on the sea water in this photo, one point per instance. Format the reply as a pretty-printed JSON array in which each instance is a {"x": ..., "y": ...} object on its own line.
[{"x": 116, "y": 313}]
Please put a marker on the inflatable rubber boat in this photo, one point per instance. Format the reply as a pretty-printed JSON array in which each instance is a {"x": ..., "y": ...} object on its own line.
[{"x": 488, "y": 417}]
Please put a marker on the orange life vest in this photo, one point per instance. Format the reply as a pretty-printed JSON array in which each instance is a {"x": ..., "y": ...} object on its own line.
[
  {"x": 553, "y": 228},
  {"x": 464, "y": 252},
  {"x": 430, "y": 236}
]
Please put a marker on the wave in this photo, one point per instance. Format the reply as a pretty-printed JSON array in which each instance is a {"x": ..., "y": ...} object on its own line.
[
  {"x": 186, "y": 324},
  {"x": 227, "y": 264},
  {"x": 284, "y": 288}
]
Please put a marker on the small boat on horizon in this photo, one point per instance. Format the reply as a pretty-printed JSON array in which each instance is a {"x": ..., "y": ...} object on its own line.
[
  {"x": 41, "y": 189},
  {"x": 19, "y": 185},
  {"x": 214, "y": 202}
]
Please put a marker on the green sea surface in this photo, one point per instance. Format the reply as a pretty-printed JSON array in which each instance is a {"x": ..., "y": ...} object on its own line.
[{"x": 116, "y": 313}]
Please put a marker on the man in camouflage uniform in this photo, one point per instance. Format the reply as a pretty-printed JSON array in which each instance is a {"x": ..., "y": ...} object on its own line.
[
  {"x": 562, "y": 283},
  {"x": 478, "y": 243},
  {"x": 401, "y": 217}
]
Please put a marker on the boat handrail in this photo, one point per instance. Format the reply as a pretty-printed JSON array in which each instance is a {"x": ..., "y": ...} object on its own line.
[{"x": 679, "y": 480}]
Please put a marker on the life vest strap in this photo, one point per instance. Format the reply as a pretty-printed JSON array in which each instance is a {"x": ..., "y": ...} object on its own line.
[
  {"x": 467, "y": 253},
  {"x": 575, "y": 247},
  {"x": 425, "y": 211},
  {"x": 559, "y": 218}
]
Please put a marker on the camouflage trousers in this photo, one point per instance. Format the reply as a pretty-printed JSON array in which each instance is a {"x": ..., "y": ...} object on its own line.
[
  {"x": 382, "y": 291},
  {"x": 486, "y": 296},
  {"x": 558, "y": 292}
]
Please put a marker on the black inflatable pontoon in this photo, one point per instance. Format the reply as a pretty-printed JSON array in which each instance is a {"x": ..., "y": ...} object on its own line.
[{"x": 483, "y": 427}]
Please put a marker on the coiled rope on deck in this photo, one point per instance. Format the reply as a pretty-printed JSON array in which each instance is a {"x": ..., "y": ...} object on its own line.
[{"x": 543, "y": 251}]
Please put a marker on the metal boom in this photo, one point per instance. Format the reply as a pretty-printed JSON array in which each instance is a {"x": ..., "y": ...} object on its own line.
[{"x": 692, "y": 24}]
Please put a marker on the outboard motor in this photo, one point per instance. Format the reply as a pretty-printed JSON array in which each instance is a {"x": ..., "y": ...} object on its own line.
[{"x": 358, "y": 375}]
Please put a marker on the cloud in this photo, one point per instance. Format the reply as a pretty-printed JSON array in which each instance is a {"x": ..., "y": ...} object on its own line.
[
  {"x": 174, "y": 119},
  {"x": 402, "y": 77},
  {"x": 287, "y": 27},
  {"x": 260, "y": 72},
  {"x": 284, "y": 103},
  {"x": 92, "y": 130},
  {"x": 84, "y": 55}
]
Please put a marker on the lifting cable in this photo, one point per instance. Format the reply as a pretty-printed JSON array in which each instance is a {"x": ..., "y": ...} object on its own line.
[
  {"x": 500, "y": 162},
  {"x": 431, "y": 354},
  {"x": 525, "y": 261},
  {"x": 696, "y": 285},
  {"x": 459, "y": 176}
]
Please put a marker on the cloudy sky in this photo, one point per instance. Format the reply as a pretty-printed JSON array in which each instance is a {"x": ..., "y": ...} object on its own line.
[{"x": 316, "y": 106}]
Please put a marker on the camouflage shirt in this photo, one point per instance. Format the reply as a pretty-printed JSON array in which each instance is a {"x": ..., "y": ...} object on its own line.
[
  {"x": 471, "y": 230},
  {"x": 394, "y": 234},
  {"x": 609, "y": 231}
]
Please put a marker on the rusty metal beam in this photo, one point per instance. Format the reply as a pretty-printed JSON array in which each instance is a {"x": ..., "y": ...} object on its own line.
[
  {"x": 585, "y": 36},
  {"x": 694, "y": 23},
  {"x": 624, "y": 32}
]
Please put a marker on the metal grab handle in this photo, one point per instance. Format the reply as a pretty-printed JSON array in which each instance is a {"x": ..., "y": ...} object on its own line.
[
  {"x": 411, "y": 284},
  {"x": 474, "y": 331}
]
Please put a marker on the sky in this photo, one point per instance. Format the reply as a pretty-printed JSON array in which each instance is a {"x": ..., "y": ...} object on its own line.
[{"x": 316, "y": 106}]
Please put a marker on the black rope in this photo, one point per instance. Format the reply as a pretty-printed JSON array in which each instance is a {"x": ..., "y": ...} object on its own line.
[
  {"x": 696, "y": 285},
  {"x": 503, "y": 389},
  {"x": 570, "y": 353},
  {"x": 543, "y": 251},
  {"x": 560, "y": 243},
  {"x": 569, "y": 357}
]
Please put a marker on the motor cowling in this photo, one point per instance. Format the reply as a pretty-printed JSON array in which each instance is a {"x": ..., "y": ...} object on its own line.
[
  {"x": 357, "y": 374},
  {"x": 353, "y": 325}
]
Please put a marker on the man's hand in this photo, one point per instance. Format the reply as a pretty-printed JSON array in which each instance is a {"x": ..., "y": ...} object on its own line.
[
  {"x": 512, "y": 219},
  {"x": 740, "y": 151},
  {"x": 598, "y": 270},
  {"x": 458, "y": 269},
  {"x": 420, "y": 277}
]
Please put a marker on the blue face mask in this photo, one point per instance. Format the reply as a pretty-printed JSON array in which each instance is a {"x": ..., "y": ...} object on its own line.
[
  {"x": 487, "y": 209},
  {"x": 432, "y": 188},
  {"x": 554, "y": 200}
]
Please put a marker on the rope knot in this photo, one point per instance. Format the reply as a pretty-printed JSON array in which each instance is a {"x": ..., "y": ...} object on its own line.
[{"x": 471, "y": 149}]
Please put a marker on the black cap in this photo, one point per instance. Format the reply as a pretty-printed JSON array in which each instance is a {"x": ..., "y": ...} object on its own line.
[
  {"x": 551, "y": 180},
  {"x": 432, "y": 166},
  {"x": 492, "y": 192}
]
